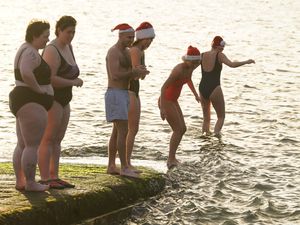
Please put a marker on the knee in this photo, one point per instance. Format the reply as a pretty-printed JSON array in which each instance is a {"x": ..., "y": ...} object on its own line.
[
  {"x": 181, "y": 131},
  {"x": 221, "y": 117},
  {"x": 51, "y": 140},
  {"x": 20, "y": 145},
  {"x": 133, "y": 131}
]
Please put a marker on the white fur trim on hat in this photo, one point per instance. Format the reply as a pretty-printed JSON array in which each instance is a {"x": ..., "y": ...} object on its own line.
[
  {"x": 222, "y": 43},
  {"x": 145, "y": 33},
  {"x": 127, "y": 30},
  {"x": 192, "y": 57}
]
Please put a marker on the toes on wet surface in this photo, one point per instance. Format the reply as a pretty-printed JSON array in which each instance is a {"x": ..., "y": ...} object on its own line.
[{"x": 95, "y": 194}]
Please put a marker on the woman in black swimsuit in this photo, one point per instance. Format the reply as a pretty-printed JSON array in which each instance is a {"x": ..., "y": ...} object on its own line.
[
  {"x": 210, "y": 88},
  {"x": 29, "y": 102},
  {"x": 64, "y": 75},
  {"x": 144, "y": 37}
]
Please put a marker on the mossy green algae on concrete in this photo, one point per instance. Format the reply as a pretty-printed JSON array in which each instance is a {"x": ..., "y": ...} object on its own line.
[{"x": 96, "y": 193}]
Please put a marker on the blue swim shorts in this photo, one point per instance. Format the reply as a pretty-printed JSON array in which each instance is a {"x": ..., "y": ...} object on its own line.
[{"x": 116, "y": 104}]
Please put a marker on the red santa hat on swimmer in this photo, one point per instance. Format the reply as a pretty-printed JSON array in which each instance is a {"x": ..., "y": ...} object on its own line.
[
  {"x": 218, "y": 41},
  {"x": 192, "y": 54},
  {"x": 145, "y": 30},
  {"x": 123, "y": 28}
]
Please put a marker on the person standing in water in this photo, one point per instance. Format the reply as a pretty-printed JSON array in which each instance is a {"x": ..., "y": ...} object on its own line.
[
  {"x": 210, "y": 88},
  {"x": 168, "y": 101},
  {"x": 119, "y": 73},
  {"x": 144, "y": 36}
]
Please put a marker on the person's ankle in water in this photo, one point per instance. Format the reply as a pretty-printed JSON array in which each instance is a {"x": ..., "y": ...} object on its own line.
[
  {"x": 206, "y": 133},
  {"x": 218, "y": 135},
  {"x": 172, "y": 163}
]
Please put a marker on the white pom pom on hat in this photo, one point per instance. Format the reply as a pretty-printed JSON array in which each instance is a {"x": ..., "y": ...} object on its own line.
[
  {"x": 192, "y": 54},
  {"x": 218, "y": 41},
  {"x": 123, "y": 28},
  {"x": 144, "y": 30}
]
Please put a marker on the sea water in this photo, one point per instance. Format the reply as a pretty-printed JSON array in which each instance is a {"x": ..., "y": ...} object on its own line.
[{"x": 251, "y": 175}]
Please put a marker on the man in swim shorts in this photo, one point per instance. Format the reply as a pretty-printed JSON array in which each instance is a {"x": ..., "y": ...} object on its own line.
[{"x": 119, "y": 71}]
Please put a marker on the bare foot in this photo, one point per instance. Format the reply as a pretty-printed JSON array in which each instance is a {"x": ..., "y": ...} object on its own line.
[
  {"x": 20, "y": 188},
  {"x": 218, "y": 135},
  {"x": 135, "y": 169},
  {"x": 172, "y": 163},
  {"x": 34, "y": 186},
  {"x": 20, "y": 185},
  {"x": 113, "y": 170},
  {"x": 206, "y": 134},
  {"x": 129, "y": 173}
]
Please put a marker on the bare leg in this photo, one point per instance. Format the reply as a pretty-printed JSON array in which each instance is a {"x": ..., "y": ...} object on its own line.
[
  {"x": 122, "y": 130},
  {"x": 205, "y": 103},
  {"x": 17, "y": 156},
  {"x": 49, "y": 150},
  {"x": 218, "y": 103},
  {"x": 54, "y": 160},
  {"x": 175, "y": 119},
  {"x": 134, "y": 114},
  {"x": 32, "y": 122},
  {"x": 112, "y": 152}
]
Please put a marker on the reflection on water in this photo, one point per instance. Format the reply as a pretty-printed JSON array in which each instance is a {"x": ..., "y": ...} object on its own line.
[
  {"x": 252, "y": 175},
  {"x": 217, "y": 188}
]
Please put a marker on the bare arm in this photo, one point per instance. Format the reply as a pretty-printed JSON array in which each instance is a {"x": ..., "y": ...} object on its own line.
[
  {"x": 223, "y": 58},
  {"x": 29, "y": 61},
  {"x": 136, "y": 56},
  {"x": 192, "y": 87},
  {"x": 52, "y": 58}
]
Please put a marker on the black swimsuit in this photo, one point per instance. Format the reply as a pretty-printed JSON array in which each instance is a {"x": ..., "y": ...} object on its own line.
[
  {"x": 22, "y": 95},
  {"x": 134, "y": 85},
  {"x": 210, "y": 80},
  {"x": 64, "y": 95}
]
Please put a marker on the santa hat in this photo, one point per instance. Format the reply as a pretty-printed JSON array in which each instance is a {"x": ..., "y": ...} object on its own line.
[
  {"x": 123, "y": 28},
  {"x": 192, "y": 54},
  {"x": 218, "y": 41},
  {"x": 145, "y": 30}
]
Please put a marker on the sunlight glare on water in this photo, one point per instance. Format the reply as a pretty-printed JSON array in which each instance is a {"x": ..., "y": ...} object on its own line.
[{"x": 252, "y": 175}]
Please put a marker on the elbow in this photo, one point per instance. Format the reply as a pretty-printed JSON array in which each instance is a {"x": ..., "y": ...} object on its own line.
[{"x": 234, "y": 65}]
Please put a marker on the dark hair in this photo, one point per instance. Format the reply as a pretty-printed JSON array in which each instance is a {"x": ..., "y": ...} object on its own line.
[
  {"x": 35, "y": 29},
  {"x": 64, "y": 22},
  {"x": 218, "y": 41},
  {"x": 136, "y": 42}
]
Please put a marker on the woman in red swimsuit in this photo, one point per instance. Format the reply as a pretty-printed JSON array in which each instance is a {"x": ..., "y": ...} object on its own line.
[{"x": 170, "y": 92}]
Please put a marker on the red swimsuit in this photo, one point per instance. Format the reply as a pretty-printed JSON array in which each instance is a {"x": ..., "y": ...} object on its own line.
[{"x": 173, "y": 91}]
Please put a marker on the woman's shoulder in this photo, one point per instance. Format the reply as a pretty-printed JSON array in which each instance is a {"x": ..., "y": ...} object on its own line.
[
  {"x": 27, "y": 54},
  {"x": 26, "y": 50},
  {"x": 179, "y": 68},
  {"x": 135, "y": 49},
  {"x": 135, "y": 52},
  {"x": 51, "y": 48}
]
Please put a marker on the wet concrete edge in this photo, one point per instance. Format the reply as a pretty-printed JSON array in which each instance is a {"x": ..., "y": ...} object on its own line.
[{"x": 96, "y": 194}]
